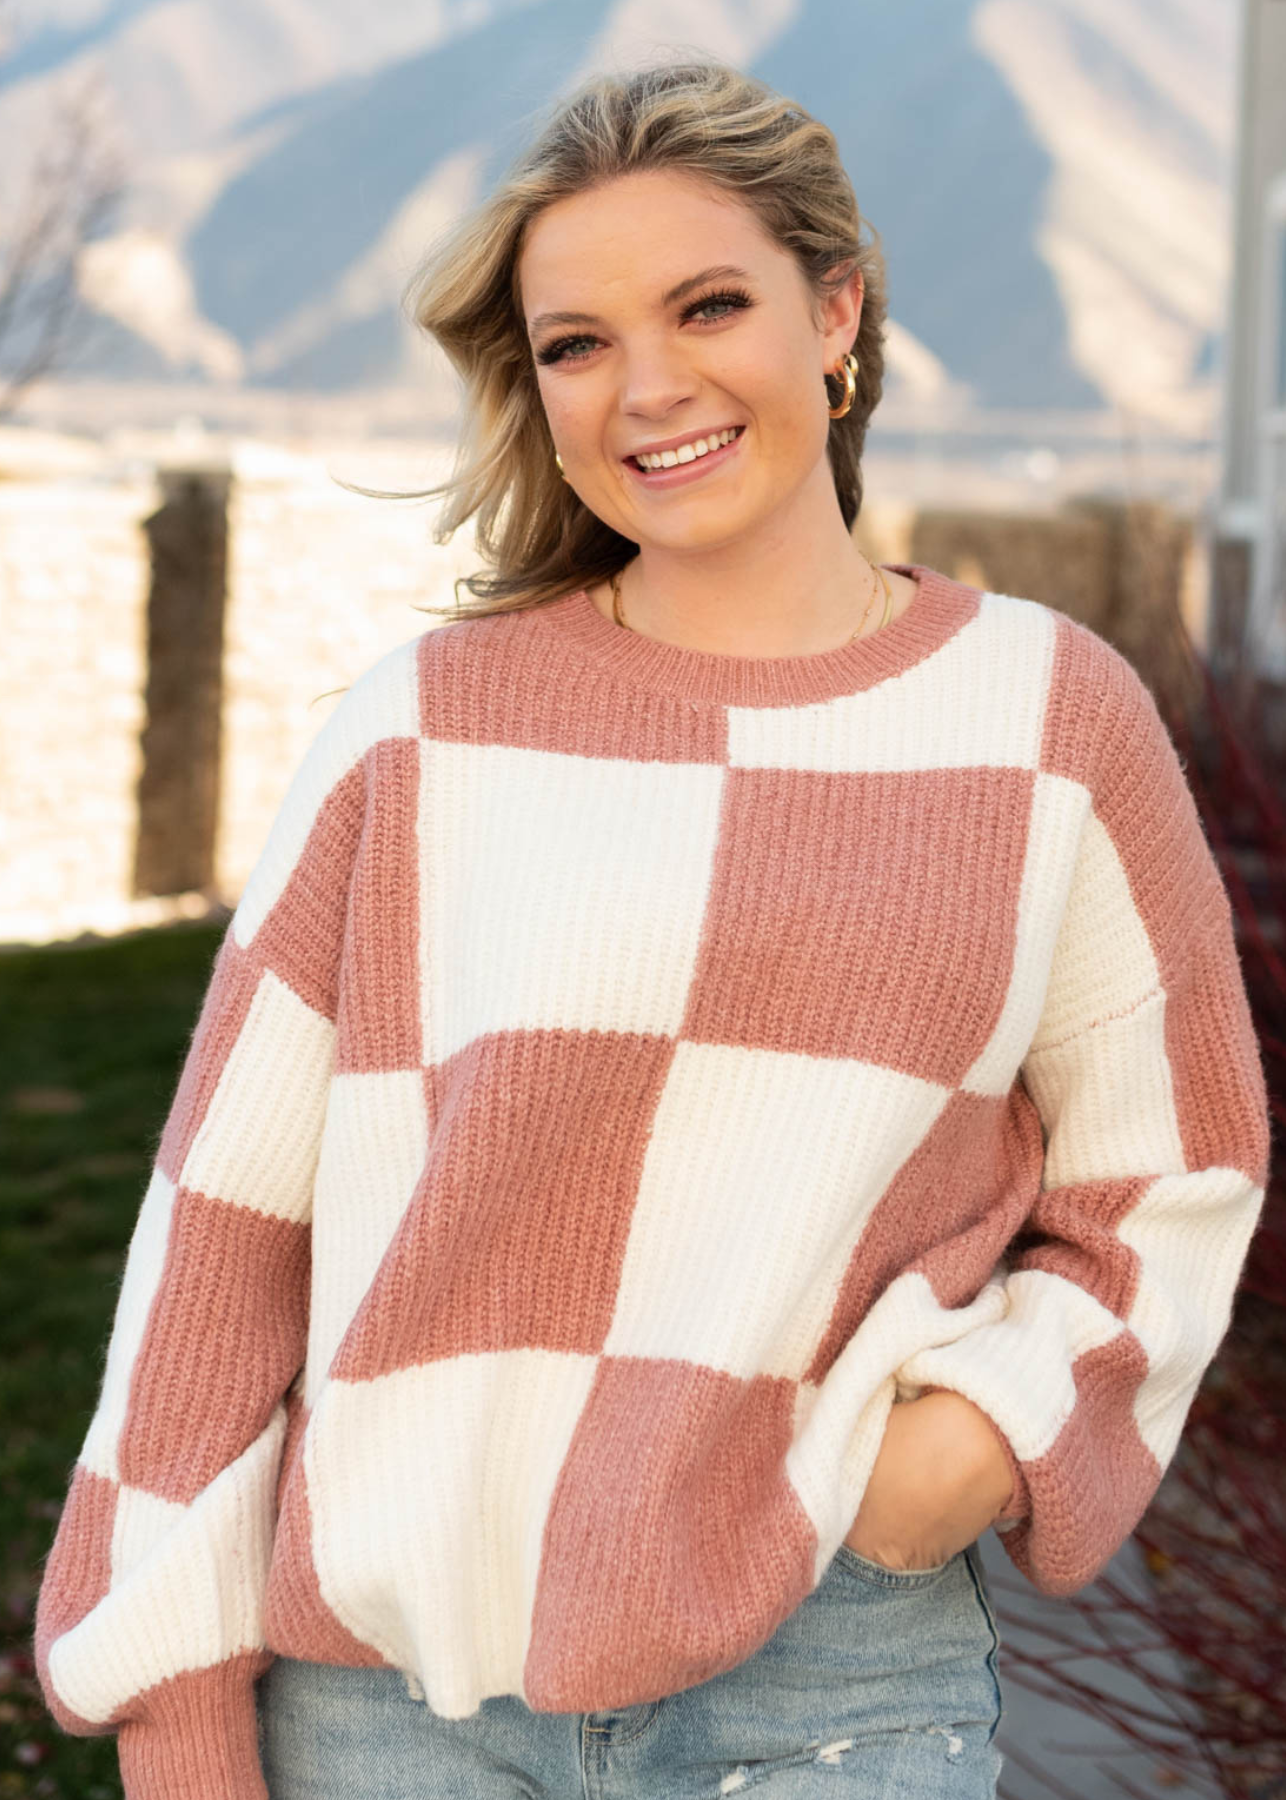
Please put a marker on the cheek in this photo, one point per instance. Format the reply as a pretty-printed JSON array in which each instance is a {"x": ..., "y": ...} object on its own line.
[
  {"x": 578, "y": 417},
  {"x": 560, "y": 414},
  {"x": 776, "y": 391}
]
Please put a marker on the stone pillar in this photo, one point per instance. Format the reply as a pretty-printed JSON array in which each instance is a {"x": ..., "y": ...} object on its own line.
[{"x": 178, "y": 788}]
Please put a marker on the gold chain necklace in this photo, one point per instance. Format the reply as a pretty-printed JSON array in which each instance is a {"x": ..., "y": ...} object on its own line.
[{"x": 619, "y": 616}]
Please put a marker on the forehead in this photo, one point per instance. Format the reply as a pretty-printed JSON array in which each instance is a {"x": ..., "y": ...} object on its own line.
[{"x": 646, "y": 225}]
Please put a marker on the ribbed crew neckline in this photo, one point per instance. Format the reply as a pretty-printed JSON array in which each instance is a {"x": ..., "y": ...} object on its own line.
[{"x": 934, "y": 615}]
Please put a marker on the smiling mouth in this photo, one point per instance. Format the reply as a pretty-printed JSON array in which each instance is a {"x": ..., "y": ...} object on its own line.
[
  {"x": 675, "y": 465},
  {"x": 689, "y": 452}
]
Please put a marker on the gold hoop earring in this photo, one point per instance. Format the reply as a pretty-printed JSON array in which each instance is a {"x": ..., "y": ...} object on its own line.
[
  {"x": 848, "y": 368},
  {"x": 558, "y": 459}
]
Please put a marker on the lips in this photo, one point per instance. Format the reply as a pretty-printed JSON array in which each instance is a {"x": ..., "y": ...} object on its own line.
[
  {"x": 688, "y": 440},
  {"x": 679, "y": 474}
]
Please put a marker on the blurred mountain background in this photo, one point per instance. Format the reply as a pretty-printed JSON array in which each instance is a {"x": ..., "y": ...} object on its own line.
[{"x": 1051, "y": 179}]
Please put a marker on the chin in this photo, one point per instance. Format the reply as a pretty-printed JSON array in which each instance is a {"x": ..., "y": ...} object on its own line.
[{"x": 723, "y": 526}]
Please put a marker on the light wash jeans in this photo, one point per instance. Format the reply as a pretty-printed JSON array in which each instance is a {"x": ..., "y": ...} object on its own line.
[{"x": 881, "y": 1684}]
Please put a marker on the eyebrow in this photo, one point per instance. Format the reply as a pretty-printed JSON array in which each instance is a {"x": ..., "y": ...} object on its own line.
[{"x": 717, "y": 272}]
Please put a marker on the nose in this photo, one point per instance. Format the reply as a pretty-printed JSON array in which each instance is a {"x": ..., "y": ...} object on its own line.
[{"x": 655, "y": 379}]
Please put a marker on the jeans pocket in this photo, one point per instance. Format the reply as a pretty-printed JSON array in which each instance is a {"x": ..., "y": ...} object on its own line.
[{"x": 849, "y": 1561}]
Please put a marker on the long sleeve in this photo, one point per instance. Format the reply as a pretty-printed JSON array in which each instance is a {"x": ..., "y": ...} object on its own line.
[
  {"x": 1146, "y": 1075},
  {"x": 148, "y": 1618}
]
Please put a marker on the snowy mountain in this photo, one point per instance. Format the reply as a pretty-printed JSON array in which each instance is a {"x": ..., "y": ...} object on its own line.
[{"x": 1050, "y": 178}]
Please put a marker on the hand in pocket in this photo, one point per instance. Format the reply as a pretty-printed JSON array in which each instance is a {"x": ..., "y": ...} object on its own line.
[{"x": 939, "y": 1480}]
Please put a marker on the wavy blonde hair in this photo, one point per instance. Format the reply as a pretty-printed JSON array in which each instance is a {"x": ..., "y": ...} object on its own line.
[{"x": 699, "y": 117}]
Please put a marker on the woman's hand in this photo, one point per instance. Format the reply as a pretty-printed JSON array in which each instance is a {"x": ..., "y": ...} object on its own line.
[{"x": 939, "y": 1480}]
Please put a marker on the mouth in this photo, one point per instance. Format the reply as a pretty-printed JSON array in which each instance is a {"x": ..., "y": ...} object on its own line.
[{"x": 680, "y": 473}]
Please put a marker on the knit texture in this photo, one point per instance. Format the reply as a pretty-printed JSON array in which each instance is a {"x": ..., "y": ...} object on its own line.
[{"x": 629, "y": 1071}]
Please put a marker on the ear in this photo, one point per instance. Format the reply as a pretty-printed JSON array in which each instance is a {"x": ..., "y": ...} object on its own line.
[{"x": 841, "y": 315}]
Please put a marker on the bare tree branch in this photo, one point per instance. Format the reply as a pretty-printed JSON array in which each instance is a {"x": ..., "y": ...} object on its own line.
[{"x": 73, "y": 187}]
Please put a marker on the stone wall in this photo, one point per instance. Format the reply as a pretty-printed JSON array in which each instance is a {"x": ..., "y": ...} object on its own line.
[
  {"x": 73, "y": 602},
  {"x": 120, "y": 780}
]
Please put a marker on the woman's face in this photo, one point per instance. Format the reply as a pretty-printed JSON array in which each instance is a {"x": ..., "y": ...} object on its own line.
[{"x": 690, "y": 320}]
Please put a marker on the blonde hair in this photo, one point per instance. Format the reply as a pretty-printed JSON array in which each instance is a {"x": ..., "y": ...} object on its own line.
[{"x": 699, "y": 117}]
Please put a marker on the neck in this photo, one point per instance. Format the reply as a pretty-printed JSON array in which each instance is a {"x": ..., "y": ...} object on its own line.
[{"x": 792, "y": 589}]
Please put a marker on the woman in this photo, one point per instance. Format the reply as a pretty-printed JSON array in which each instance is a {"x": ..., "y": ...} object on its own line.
[{"x": 729, "y": 1077}]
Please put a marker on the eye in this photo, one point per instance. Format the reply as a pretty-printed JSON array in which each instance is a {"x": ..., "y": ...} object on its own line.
[
  {"x": 556, "y": 352},
  {"x": 732, "y": 299}
]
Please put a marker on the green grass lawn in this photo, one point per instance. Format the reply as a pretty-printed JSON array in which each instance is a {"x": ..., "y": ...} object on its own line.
[{"x": 93, "y": 1043}]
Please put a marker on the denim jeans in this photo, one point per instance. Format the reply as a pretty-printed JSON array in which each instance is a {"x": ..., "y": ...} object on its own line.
[{"x": 882, "y": 1684}]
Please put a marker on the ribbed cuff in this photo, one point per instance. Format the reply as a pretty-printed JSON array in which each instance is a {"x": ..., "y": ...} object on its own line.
[
  {"x": 1018, "y": 1505},
  {"x": 199, "y": 1738}
]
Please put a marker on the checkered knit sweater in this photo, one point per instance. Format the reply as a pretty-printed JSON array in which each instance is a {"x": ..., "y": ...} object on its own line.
[{"x": 629, "y": 1071}]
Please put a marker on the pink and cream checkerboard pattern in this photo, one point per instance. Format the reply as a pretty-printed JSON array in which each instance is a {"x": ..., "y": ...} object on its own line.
[{"x": 628, "y": 1071}]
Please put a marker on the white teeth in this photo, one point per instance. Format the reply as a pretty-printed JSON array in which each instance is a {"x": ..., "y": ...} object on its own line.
[{"x": 686, "y": 453}]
